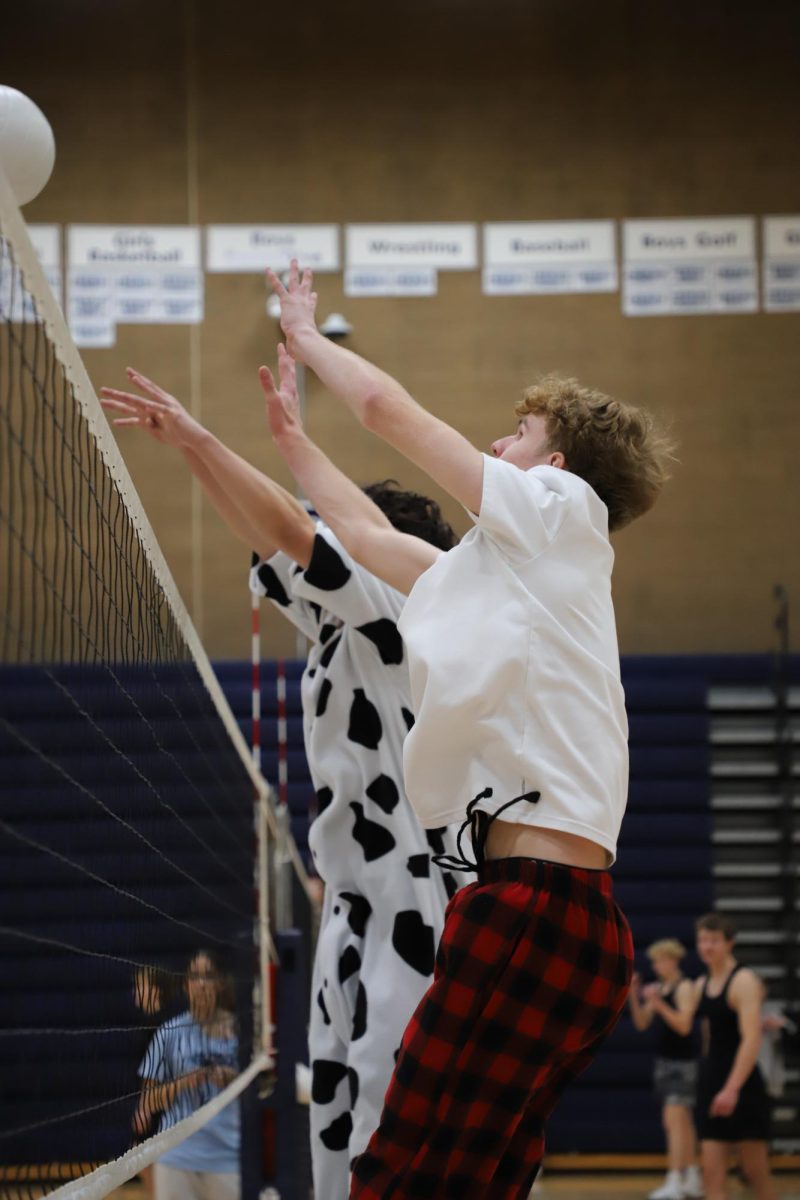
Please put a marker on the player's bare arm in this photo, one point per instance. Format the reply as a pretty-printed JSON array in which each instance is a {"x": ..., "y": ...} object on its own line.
[
  {"x": 377, "y": 400},
  {"x": 397, "y": 558},
  {"x": 258, "y": 511}
]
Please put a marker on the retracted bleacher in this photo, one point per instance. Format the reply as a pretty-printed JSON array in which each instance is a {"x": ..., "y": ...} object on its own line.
[{"x": 662, "y": 881}]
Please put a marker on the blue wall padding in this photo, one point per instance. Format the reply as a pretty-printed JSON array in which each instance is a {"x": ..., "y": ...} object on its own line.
[
  {"x": 99, "y": 765},
  {"x": 663, "y": 878}
]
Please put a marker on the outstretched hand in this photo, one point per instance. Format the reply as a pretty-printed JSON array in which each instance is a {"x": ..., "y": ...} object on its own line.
[
  {"x": 157, "y": 412},
  {"x": 298, "y": 305},
  {"x": 283, "y": 402}
]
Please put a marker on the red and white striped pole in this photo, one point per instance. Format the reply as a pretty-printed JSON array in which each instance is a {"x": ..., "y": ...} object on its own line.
[
  {"x": 267, "y": 1008},
  {"x": 255, "y": 677},
  {"x": 283, "y": 857},
  {"x": 283, "y": 737}
]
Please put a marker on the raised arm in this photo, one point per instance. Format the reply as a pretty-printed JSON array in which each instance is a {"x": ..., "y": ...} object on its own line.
[
  {"x": 397, "y": 558},
  {"x": 259, "y": 511},
  {"x": 377, "y": 400}
]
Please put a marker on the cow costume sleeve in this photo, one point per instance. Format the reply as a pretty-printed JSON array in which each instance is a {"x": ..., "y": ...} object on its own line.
[
  {"x": 350, "y": 594},
  {"x": 273, "y": 578}
]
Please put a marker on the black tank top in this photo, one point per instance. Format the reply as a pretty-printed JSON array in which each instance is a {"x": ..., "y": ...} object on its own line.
[
  {"x": 723, "y": 1023},
  {"x": 670, "y": 1043}
]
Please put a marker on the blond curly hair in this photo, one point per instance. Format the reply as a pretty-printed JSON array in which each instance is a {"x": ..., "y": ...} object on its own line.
[{"x": 618, "y": 449}]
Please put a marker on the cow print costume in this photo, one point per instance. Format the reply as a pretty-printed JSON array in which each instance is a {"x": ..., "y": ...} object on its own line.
[{"x": 384, "y": 904}]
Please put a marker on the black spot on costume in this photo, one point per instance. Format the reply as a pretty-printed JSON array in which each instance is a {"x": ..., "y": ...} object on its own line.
[
  {"x": 337, "y": 1135},
  {"x": 323, "y": 1009},
  {"x": 420, "y": 865},
  {"x": 360, "y": 910},
  {"x": 364, "y": 726},
  {"x": 325, "y": 1078},
  {"x": 360, "y": 1017},
  {"x": 324, "y": 797},
  {"x": 328, "y": 652},
  {"x": 273, "y": 588},
  {"x": 324, "y": 696},
  {"x": 374, "y": 840},
  {"x": 349, "y": 963},
  {"x": 384, "y": 792},
  {"x": 385, "y": 636},
  {"x": 326, "y": 571},
  {"x": 413, "y": 941}
]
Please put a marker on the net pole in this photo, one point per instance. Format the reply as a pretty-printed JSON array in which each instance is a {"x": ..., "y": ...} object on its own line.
[
  {"x": 283, "y": 859},
  {"x": 255, "y": 678},
  {"x": 267, "y": 953},
  {"x": 265, "y": 946}
]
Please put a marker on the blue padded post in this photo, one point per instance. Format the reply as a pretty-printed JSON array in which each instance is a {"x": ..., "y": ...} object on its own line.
[{"x": 292, "y": 1153}]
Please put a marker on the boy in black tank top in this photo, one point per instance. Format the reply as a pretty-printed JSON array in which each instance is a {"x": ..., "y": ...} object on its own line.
[
  {"x": 670, "y": 1004},
  {"x": 732, "y": 1102}
]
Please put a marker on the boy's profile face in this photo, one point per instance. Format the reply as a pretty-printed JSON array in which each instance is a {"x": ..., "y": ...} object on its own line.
[{"x": 528, "y": 446}]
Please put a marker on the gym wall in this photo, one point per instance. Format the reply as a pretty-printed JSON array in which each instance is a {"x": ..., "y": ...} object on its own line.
[{"x": 436, "y": 110}]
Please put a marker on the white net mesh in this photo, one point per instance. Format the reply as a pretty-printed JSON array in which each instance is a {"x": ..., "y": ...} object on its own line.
[{"x": 133, "y": 900}]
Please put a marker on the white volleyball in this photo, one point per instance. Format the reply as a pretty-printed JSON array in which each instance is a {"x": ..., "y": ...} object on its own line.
[{"x": 27, "y": 145}]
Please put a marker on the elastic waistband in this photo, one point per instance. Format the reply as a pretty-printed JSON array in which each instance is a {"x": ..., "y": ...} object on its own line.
[{"x": 539, "y": 872}]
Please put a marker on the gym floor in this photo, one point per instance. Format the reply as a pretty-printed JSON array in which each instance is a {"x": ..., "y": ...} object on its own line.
[
  {"x": 580, "y": 1187},
  {"x": 611, "y": 1187}
]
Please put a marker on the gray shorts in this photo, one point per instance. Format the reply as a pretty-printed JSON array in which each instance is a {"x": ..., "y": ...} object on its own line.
[{"x": 675, "y": 1081}]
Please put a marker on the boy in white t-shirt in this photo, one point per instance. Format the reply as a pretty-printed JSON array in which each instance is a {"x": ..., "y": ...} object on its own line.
[{"x": 521, "y": 729}]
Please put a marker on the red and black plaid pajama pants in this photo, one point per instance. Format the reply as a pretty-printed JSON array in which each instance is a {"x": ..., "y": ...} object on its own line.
[{"x": 531, "y": 975}]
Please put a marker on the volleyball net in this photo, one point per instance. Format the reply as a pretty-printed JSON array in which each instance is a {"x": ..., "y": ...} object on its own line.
[{"x": 134, "y": 878}]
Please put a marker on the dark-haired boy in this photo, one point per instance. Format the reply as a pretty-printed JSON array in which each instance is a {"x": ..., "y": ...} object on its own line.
[
  {"x": 383, "y": 910},
  {"x": 732, "y": 1103}
]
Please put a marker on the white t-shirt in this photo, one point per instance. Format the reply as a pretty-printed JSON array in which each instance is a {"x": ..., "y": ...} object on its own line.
[{"x": 514, "y": 663}]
